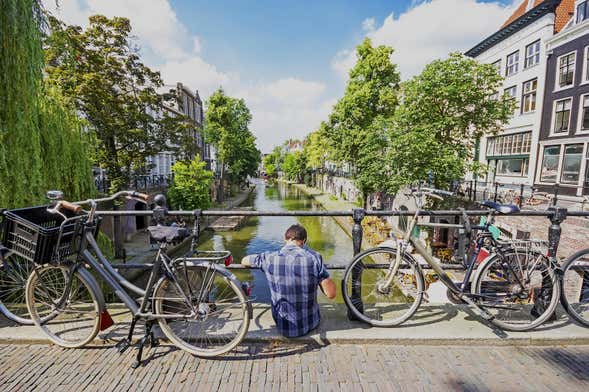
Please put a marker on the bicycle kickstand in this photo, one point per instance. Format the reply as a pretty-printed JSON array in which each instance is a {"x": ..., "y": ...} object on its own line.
[
  {"x": 123, "y": 344},
  {"x": 148, "y": 337}
]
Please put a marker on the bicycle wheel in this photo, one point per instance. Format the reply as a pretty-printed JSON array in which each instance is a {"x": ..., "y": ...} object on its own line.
[
  {"x": 519, "y": 288},
  {"x": 575, "y": 286},
  {"x": 369, "y": 301},
  {"x": 14, "y": 273},
  {"x": 212, "y": 310},
  {"x": 64, "y": 305}
]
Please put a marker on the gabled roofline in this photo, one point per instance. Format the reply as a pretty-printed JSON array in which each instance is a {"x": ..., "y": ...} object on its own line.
[{"x": 529, "y": 17}]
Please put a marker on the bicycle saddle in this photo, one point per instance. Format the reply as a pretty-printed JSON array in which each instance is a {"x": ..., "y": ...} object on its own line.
[
  {"x": 168, "y": 233},
  {"x": 501, "y": 208}
]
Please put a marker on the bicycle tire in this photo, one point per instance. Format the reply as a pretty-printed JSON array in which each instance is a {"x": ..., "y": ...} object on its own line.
[
  {"x": 501, "y": 288},
  {"x": 69, "y": 318},
  {"x": 14, "y": 273},
  {"x": 571, "y": 291},
  {"x": 370, "y": 307},
  {"x": 225, "y": 305}
]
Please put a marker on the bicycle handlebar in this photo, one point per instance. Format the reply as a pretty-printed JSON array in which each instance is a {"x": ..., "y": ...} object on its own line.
[{"x": 76, "y": 206}]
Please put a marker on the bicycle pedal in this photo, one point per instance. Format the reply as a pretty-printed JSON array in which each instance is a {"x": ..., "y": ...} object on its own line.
[{"x": 122, "y": 345}]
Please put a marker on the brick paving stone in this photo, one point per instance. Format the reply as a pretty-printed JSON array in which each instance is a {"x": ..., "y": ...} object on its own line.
[{"x": 329, "y": 368}]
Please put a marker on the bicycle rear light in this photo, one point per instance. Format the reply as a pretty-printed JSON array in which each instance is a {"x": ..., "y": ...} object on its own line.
[
  {"x": 228, "y": 260},
  {"x": 247, "y": 288}
]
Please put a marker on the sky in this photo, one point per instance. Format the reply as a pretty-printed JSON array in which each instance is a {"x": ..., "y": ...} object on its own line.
[{"x": 288, "y": 60}]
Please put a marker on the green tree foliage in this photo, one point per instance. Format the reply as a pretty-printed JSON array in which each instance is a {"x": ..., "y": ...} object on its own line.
[
  {"x": 316, "y": 149},
  {"x": 444, "y": 112},
  {"x": 100, "y": 70},
  {"x": 294, "y": 166},
  {"x": 227, "y": 122},
  {"x": 191, "y": 186},
  {"x": 355, "y": 126},
  {"x": 42, "y": 145}
]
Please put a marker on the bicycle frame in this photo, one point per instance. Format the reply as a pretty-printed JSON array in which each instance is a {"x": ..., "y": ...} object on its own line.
[{"x": 116, "y": 281}]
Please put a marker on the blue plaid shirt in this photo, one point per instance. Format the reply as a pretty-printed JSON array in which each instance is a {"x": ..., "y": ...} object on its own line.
[{"x": 293, "y": 275}]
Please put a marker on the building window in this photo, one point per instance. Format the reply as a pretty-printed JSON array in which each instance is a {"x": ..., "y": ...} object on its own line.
[
  {"x": 529, "y": 96},
  {"x": 550, "y": 164},
  {"x": 584, "y": 117},
  {"x": 497, "y": 65},
  {"x": 562, "y": 114},
  {"x": 494, "y": 97},
  {"x": 566, "y": 70},
  {"x": 582, "y": 12},
  {"x": 517, "y": 167},
  {"x": 511, "y": 91},
  {"x": 512, "y": 62},
  {"x": 571, "y": 163},
  {"x": 514, "y": 144},
  {"x": 532, "y": 54}
]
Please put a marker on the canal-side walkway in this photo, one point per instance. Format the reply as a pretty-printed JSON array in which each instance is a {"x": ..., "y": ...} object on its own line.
[{"x": 431, "y": 325}]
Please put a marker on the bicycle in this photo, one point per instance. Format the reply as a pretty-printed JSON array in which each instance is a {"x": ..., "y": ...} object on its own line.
[
  {"x": 15, "y": 268},
  {"x": 199, "y": 305},
  {"x": 575, "y": 286},
  {"x": 384, "y": 286}
]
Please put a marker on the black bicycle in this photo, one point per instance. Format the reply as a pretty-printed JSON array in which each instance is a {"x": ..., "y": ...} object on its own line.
[{"x": 199, "y": 305}]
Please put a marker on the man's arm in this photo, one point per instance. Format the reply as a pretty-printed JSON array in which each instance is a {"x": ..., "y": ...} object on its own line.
[
  {"x": 328, "y": 287},
  {"x": 246, "y": 261}
]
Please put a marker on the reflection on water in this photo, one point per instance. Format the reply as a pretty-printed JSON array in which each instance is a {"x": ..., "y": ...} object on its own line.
[{"x": 266, "y": 233}]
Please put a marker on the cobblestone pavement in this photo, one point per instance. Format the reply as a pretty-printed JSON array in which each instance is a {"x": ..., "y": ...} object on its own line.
[{"x": 299, "y": 368}]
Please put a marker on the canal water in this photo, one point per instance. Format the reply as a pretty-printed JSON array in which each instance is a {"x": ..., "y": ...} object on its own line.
[{"x": 266, "y": 233}]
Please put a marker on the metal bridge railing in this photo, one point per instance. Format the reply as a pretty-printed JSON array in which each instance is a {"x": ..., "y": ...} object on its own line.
[{"x": 555, "y": 215}]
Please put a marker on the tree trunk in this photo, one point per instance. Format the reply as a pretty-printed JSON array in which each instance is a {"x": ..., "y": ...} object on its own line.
[{"x": 221, "y": 193}]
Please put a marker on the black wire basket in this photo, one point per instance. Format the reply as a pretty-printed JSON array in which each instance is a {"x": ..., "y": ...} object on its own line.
[{"x": 39, "y": 236}]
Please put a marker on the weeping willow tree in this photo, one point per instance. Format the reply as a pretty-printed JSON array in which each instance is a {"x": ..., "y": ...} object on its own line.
[{"x": 42, "y": 144}]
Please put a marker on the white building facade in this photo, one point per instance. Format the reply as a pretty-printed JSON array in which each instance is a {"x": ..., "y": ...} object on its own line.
[{"x": 518, "y": 51}]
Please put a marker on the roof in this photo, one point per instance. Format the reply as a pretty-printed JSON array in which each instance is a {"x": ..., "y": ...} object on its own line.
[{"x": 562, "y": 9}]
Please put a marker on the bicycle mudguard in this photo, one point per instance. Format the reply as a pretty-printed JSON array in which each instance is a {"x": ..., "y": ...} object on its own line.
[{"x": 95, "y": 287}]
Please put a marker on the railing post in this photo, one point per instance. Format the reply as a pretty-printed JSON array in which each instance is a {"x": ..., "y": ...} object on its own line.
[
  {"x": 470, "y": 191},
  {"x": 555, "y": 198},
  {"x": 521, "y": 195},
  {"x": 495, "y": 195},
  {"x": 475, "y": 191},
  {"x": 557, "y": 216},
  {"x": 358, "y": 215}
]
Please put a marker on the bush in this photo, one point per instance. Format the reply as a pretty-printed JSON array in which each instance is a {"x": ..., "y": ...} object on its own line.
[{"x": 191, "y": 185}]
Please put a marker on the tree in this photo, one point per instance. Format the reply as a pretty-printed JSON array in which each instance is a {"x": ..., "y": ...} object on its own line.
[
  {"x": 191, "y": 186},
  {"x": 100, "y": 70},
  {"x": 355, "y": 126},
  {"x": 294, "y": 166},
  {"x": 42, "y": 145},
  {"x": 316, "y": 149},
  {"x": 445, "y": 110},
  {"x": 227, "y": 129}
]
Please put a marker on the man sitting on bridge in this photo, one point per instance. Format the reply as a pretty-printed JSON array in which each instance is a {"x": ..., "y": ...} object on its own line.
[{"x": 294, "y": 273}]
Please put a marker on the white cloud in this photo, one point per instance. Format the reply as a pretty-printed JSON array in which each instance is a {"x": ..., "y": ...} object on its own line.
[
  {"x": 430, "y": 30},
  {"x": 369, "y": 24}
]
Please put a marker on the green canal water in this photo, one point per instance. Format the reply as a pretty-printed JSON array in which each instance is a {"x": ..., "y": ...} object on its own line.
[{"x": 260, "y": 234}]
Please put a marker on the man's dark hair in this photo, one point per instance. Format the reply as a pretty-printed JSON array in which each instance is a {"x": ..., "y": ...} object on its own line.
[{"x": 296, "y": 232}]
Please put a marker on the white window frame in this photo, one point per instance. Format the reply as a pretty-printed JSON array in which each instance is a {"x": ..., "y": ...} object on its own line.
[
  {"x": 534, "y": 54},
  {"x": 497, "y": 64},
  {"x": 563, "y": 143},
  {"x": 535, "y": 92},
  {"x": 540, "y": 162},
  {"x": 580, "y": 130},
  {"x": 553, "y": 117},
  {"x": 584, "y": 78},
  {"x": 556, "y": 79},
  {"x": 516, "y": 64}
]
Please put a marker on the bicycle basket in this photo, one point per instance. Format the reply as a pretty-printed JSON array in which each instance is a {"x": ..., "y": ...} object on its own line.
[{"x": 34, "y": 233}]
